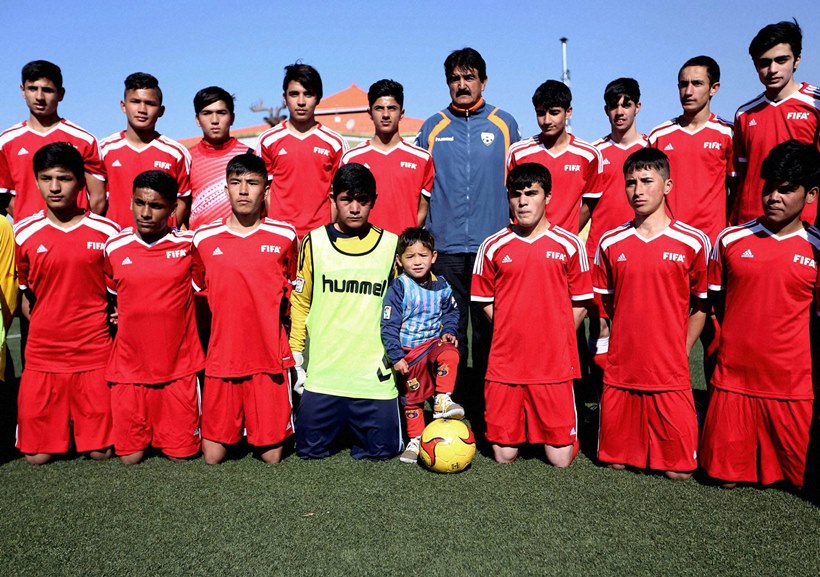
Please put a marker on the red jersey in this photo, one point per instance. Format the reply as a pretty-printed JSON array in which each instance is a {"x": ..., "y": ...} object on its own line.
[
  {"x": 402, "y": 174},
  {"x": 63, "y": 269},
  {"x": 248, "y": 279},
  {"x": 123, "y": 163},
  {"x": 532, "y": 283},
  {"x": 302, "y": 169},
  {"x": 17, "y": 147},
  {"x": 760, "y": 125},
  {"x": 576, "y": 172},
  {"x": 208, "y": 163},
  {"x": 157, "y": 340},
  {"x": 651, "y": 281},
  {"x": 769, "y": 284},
  {"x": 612, "y": 208},
  {"x": 700, "y": 163}
]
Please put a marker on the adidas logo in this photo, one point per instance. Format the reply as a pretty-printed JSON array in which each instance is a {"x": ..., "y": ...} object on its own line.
[
  {"x": 621, "y": 258},
  {"x": 116, "y": 163},
  {"x": 606, "y": 161},
  {"x": 41, "y": 249},
  {"x": 22, "y": 152},
  {"x": 367, "y": 166},
  {"x": 573, "y": 432},
  {"x": 282, "y": 152},
  {"x": 126, "y": 260},
  {"x": 217, "y": 251},
  {"x": 747, "y": 254},
  {"x": 669, "y": 147},
  {"x": 753, "y": 122},
  {"x": 506, "y": 259}
]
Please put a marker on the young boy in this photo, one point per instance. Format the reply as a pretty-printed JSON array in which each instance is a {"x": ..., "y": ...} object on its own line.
[
  {"x": 246, "y": 262},
  {"x": 60, "y": 271},
  {"x": 404, "y": 173},
  {"x": 419, "y": 323},
  {"x": 532, "y": 274},
  {"x": 336, "y": 306},
  {"x": 140, "y": 147},
  {"x": 652, "y": 268},
  {"x": 301, "y": 155},
  {"x": 786, "y": 109},
  {"x": 42, "y": 89},
  {"x": 214, "y": 109},
  {"x": 575, "y": 165},
  {"x": 156, "y": 354},
  {"x": 764, "y": 278}
]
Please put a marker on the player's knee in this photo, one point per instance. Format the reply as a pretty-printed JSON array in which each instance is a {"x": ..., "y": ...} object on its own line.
[
  {"x": 102, "y": 455},
  {"x": 616, "y": 466},
  {"x": 38, "y": 459},
  {"x": 678, "y": 476},
  {"x": 131, "y": 459},
  {"x": 505, "y": 454},
  {"x": 559, "y": 457}
]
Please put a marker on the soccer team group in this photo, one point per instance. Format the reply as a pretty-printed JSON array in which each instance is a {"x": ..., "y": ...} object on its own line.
[{"x": 348, "y": 276}]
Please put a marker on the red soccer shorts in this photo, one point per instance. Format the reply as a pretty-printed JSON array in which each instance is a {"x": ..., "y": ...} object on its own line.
[
  {"x": 441, "y": 361},
  {"x": 645, "y": 429},
  {"x": 165, "y": 416},
  {"x": 538, "y": 414},
  {"x": 49, "y": 403},
  {"x": 755, "y": 440},
  {"x": 262, "y": 401}
]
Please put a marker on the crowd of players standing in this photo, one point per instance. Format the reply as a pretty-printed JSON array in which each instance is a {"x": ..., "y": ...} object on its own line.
[{"x": 466, "y": 174}]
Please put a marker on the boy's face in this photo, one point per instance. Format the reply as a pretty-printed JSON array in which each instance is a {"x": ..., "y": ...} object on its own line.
[
  {"x": 646, "y": 190},
  {"x": 783, "y": 202},
  {"x": 215, "y": 120},
  {"x": 59, "y": 188},
  {"x": 465, "y": 87},
  {"x": 301, "y": 103},
  {"x": 386, "y": 114},
  {"x": 142, "y": 108},
  {"x": 622, "y": 115},
  {"x": 552, "y": 120},
  {"x": 417, "y": 260},
  {"x": 151, "y": 212},
  {"x": 776, "y": 67},
  {"x": 41, "y": 96},
  {"x": 352, "y": 211},
  {"x": 694, "y": 89},
  {"x": 247, "y": 192},
  {"x": 529, "y": 204}
]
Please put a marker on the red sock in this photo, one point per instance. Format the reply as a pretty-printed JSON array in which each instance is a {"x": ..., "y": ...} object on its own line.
[{"x": 414, "y": 417}]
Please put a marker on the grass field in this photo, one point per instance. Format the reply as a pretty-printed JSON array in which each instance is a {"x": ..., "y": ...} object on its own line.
[{"x": 343, "y": 517}]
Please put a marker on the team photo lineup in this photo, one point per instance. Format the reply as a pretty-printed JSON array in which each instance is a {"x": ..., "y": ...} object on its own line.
[{"x": 305, "y": 297}]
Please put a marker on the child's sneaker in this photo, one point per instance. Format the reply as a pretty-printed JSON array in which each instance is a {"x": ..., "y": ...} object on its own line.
[
  {"x": 445, "y": 408},
  {"x": 411, "y": 453}
]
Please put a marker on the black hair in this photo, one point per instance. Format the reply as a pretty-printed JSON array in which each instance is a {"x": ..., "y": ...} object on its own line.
[
  {"x": 527, "y": 174},
  {"x": 383, "y": 88},
  {"x": 211, "y": 94},
  {"x": 465, "y": 58},
  {"x": 648, "y": 159},
  {"x": 356, "y": 180},
  {"x": 159, "y": 181},
  {"x": 60, "y": 154},
  {"x": 142, "y": 81},
  {"x": 550, "y": 94},
  {"x": 784, "y": 32},
  {"x": 626, "y": 87},
  {"x": 306, "y": 75},
  {"x": 793, "y": 162},
  {"x": 411, "y": 236},
  {"x": 712, "y": 68},
  {"x": 37, "y": 69},
  {"x": 245, "y": 163}
]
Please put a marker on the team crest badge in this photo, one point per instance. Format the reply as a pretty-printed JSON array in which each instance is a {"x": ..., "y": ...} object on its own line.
[
  {"x": 443, "y": 370},
  {"x": 298, "y": 284},
  {"x": 412, "y": 414},
  {"x": 487, "y": 138},
  {"x": 386, "y": 314},
  {"x": 413, "y": 384}
]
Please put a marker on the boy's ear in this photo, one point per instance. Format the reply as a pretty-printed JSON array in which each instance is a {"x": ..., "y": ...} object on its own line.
[
  {"x": 811, "y": 194},
  {"x": 435, "y": 256}
]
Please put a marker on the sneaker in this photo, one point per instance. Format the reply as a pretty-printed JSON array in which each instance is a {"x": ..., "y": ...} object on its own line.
[
  {"x": 445, "y": 408},
  {"x": 411, "y": 453}
]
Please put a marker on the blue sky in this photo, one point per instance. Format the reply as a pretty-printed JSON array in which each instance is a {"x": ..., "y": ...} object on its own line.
[{"x": 243, "y": 46}]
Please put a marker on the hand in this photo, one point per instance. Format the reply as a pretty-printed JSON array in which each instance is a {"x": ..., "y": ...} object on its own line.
[
  {"x": 114, "y": 318},
  {"x": 401, "y": 367},
  {"x": 448, "y": 338},
  {"x": 301, "y": 375}
]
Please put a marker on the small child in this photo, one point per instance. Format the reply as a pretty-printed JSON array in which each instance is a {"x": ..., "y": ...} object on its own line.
[{"x": 419, "y": 324}]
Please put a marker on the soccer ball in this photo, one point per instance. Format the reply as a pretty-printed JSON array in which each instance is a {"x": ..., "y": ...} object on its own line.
[{"x": 447, "y": 446}]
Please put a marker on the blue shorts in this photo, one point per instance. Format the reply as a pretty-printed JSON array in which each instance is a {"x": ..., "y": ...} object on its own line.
[{"x": 374, "y": 425}]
